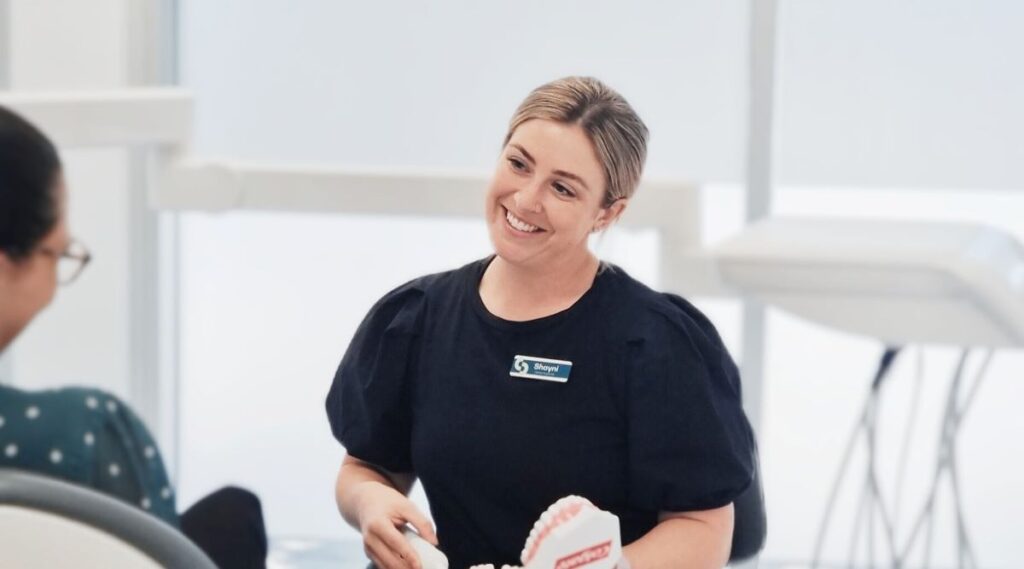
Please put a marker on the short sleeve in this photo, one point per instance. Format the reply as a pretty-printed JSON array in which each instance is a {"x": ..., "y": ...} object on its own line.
[
  {"x": 369, "y": 405},
  {"x": 127, "y": 462},
  {"x": 690, "y": 444},
  {"x": 90, "y": 437}
]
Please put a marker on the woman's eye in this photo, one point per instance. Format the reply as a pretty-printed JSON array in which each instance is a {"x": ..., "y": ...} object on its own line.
[
  {"x": 517, "y": 164},
  {"x": 564, "y": 191}
]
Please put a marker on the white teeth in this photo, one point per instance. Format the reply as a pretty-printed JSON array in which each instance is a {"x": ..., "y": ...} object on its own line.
[
  {"x": 519, "y": 224},
  {"x": 555, "y": 515}
]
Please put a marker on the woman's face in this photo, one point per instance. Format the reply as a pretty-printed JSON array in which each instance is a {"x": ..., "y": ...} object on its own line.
[
  {"x": 546, "y": 195},
  {"x": 28, "y": 285}
]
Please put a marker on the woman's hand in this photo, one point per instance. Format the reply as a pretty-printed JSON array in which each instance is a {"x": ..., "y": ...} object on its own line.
[{"x": 382, "y": 512}]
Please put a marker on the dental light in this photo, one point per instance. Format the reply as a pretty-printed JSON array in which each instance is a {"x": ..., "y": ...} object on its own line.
[{"x": 899, "y": 281}]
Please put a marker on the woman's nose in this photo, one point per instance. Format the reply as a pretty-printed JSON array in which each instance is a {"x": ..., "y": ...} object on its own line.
[{"x": 528, "y": 198}]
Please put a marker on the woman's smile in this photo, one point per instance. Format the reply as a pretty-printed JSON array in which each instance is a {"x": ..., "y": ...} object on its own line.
[{"x": 519, "y": 226}]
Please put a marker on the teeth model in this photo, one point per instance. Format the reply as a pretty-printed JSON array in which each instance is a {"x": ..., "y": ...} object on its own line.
[{"x": 571, "y": 533}]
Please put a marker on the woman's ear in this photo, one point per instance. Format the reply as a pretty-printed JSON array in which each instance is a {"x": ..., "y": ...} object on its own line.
[{"x": 609, "y": 215}]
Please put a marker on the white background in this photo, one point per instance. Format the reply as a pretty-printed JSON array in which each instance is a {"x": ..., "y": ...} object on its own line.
[{"x": 880, "y": 107}]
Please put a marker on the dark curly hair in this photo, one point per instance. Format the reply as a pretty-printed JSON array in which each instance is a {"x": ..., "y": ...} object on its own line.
[{"x": 29, "y": 169}]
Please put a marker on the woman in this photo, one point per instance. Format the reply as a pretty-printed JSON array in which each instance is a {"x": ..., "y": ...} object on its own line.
[
  {"x": 541, "y": 372},
  {"x": 84, "y": 435}
]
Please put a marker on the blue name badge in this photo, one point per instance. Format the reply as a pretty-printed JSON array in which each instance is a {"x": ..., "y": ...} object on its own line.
[{"x": 530, "y": 367}]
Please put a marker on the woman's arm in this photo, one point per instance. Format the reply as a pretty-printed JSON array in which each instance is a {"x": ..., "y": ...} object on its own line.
[
  {"x": 685, "y": 540},
  {"x": 374, "y": 501},
  {"x": 351, "y": 477}
]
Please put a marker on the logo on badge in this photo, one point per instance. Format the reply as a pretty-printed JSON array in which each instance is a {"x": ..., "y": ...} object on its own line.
[
  {"x": 546, "y": 369},
  {"x": 519, "y": 365}
]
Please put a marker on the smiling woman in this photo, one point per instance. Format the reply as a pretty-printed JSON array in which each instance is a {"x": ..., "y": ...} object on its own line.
[
  {"x": 573, "y": 156},
  {"x": 541, "y": 210},
  {"x": 541, "y": 372}
]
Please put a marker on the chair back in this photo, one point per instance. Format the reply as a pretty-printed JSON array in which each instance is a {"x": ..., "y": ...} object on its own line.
[
  {"x": 751, "y": 525},
  {"x": 51, "y": 523}
]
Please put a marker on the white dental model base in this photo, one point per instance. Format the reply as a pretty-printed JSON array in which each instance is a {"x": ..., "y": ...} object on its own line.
[
  {"x": 571, "y": 533},
  {"x": 430, "y": 556}
]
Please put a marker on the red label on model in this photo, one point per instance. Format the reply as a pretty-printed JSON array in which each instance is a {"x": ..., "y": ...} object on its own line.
[{"x": 585, "y": 556}]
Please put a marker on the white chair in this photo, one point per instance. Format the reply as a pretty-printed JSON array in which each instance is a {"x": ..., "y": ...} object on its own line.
[{"x": 50, "y": 523}]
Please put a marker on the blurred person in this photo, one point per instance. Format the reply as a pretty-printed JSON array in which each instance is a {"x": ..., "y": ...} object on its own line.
[{"x": 80, "y": 434}]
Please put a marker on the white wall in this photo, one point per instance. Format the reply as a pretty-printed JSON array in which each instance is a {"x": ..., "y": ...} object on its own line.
[
  {"x": 412, "y": 84},
  {"x": 919, "y": 93}
]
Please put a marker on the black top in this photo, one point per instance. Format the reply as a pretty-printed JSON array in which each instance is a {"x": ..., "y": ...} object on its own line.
[{"x": 649, "y": 420}]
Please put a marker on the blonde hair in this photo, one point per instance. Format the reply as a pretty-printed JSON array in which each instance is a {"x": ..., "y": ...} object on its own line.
[{"x": 613, "y": 127}]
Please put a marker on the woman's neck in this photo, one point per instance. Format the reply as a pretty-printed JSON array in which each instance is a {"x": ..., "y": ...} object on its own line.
[{"x": 519, "y": 293}]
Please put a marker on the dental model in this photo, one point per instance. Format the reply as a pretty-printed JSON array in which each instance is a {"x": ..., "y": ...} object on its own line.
[
  {"x": 430, "y": 556},
  {"x": 571, "y": 533}
]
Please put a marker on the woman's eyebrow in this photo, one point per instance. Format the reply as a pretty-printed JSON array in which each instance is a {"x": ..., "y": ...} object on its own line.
[
  {"x": 561, "y": 173},
  {"x": 520, "y": 148}
]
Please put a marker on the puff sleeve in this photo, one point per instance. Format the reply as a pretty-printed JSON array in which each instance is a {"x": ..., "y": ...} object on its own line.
[
  {"x": 690, "y": 444},
  {"x": 369, "y": 405}
]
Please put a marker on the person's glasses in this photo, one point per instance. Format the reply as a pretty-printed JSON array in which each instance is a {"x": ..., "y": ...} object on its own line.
[{"x": 70, "y": 262}]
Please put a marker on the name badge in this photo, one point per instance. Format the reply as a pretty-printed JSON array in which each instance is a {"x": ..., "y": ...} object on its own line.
[{"x": 530, "y": 367}]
